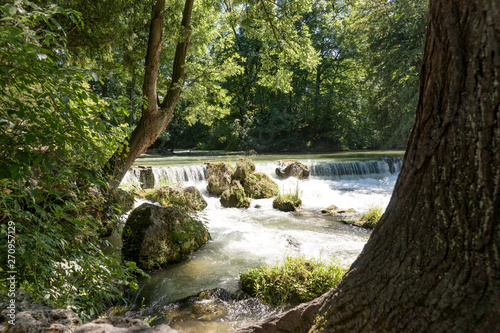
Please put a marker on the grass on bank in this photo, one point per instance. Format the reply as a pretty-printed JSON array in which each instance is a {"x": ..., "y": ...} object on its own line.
[{"x": 295, "y": 280}]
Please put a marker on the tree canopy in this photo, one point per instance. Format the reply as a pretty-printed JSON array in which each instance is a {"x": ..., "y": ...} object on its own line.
[{"x": 86, "y": 86}]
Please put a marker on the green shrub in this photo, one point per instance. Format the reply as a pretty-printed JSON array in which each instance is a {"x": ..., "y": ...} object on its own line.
[
  {"x": 57, "y": 257},
  {"x": 55, "y": 136},
  {"x": 295, "y": 280}
]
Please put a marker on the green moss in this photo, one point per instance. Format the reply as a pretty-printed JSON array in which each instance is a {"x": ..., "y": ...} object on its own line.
[
  {"x": 154, "y": 237},
  {"x": 260, "y": 185},
  {"x": 295, "y": 280},
  {"x": 288, "y": 202},
  {"x": 244, "y": 168},
  {"x": 235, "y": 196},
  {"x": 188, "y": 198},
  {"x": 218, "y": 177}
]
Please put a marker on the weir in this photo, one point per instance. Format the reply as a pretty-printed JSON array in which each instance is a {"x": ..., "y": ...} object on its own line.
[{"x": 147, "y": 177}]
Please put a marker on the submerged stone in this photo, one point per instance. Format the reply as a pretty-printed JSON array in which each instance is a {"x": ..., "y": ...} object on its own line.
[
  {"x": 334, "y": 210},
  {"x": 122, "y": 325},
  {"x": 208, "y": 305}
]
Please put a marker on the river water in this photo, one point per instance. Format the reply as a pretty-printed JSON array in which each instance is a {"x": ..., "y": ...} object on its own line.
[{"x": 246, "y": 238}]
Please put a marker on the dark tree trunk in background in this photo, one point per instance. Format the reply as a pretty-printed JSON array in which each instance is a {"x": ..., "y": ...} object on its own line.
[
  {"x": 155, "y": 118},
  {"x": 433, "y": 262}
]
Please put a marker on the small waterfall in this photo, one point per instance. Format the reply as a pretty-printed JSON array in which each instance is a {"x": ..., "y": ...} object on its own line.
[
  {"x": 148, "y": 177},
  {"x": 394, "y": 163},
  {"x": 356, "y": 169},
  {"x": 189, "y": 173}
]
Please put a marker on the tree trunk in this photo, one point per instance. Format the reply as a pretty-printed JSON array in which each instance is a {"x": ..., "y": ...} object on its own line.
[
  {"x": 432, "y": 263},
  {"x": 131, "y": 117},
  {"x": 155, "y": 118}
]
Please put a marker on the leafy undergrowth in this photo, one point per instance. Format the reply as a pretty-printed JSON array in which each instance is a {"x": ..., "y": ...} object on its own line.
[{"x": 293, "y": 281}]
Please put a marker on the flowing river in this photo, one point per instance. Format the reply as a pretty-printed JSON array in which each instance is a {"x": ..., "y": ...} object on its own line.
[{"x": 246, "y": 238}]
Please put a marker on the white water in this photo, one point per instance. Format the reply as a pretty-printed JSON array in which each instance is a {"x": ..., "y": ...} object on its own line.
[{"x": 245, "y": 238}]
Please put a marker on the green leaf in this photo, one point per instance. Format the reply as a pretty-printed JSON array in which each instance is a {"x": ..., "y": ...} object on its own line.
[{"x": 12, "y": 9}]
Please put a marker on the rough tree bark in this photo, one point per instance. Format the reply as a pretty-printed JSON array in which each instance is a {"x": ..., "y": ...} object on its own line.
[
  {"x": 433, "y": 262},
  {"x": 155, "y": 118}
]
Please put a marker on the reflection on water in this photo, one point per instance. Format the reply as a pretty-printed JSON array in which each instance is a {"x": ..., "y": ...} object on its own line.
[{"x": 246, "y": 238}]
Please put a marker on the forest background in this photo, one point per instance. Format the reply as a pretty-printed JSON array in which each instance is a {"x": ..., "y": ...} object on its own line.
[{"x": 262, "y": 75}]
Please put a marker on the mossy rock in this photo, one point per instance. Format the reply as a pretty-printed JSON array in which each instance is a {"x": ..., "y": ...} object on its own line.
[
  {"x": 184, "y": 198},
  {"x": 287, "y": 203},
  {"x": 244, "y": 168},
  {"x": 368, "y": 220},
  {"x": 155, "y": 236},
  {"x": 259, "y": 186},
  {"x": 218, "y": 177},
  {"x": 367, "y": 224},
  {"x": 235, "y": 196},
  {"x": 359, "y": 222}
]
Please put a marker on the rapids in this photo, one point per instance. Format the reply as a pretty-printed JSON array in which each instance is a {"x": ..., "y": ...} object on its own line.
[{"x": 246, "y": 238}]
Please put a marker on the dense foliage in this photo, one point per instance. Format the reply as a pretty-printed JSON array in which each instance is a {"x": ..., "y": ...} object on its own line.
[
  {"x": 361, "y": 94},
  {"x": 288, "y": 76},
  {"x": 296, "y": 76},
  {"x": 55, "y": 133},
  {"x": 295, "y": 280}
]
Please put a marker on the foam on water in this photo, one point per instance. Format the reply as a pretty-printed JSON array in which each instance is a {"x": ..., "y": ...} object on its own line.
[{"x": 245, "y": 238}]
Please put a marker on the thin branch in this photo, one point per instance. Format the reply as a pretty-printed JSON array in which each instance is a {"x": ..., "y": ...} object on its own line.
[{"x": 273, "y": 28}]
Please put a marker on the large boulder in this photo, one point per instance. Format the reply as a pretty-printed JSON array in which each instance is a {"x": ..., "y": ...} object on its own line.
[
  {"x": 218, "y": 177},
  {"x": 259, "y": 185},
  {"x": 235, "y": 196},
  {"x": 30, "y": 317},
  {"x": 156, "y": 236},
  {"x": 292, "y": 169},
  {"x": 122, "y": 325},
  {"x": 244, "y": 168},
  {"x": 183, "y": 198}
]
